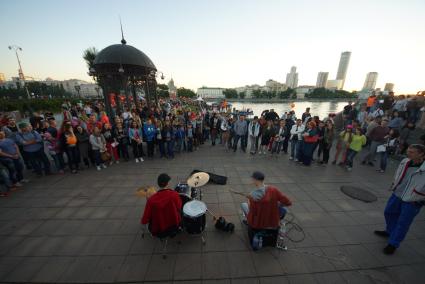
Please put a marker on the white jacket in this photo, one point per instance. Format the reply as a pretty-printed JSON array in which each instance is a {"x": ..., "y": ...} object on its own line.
[
  {"x": 256, "y": 129},
  {"x": 298, "y": 132},
  {"x": 415, "y": 188}
]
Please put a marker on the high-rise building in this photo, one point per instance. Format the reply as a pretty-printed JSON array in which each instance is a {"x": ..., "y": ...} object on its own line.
[
  {"x": 2, "y": 78},
  {"x": 370, "y": 82},
  {"x": 343, "y": 67},
  {"x": 292, "y": 78},
  {"x": 389, "y": 87},
  {"x": 322, "y": 78}
]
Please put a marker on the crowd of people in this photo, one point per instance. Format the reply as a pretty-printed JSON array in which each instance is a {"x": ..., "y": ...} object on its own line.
[{"x": 88, "y": 137}]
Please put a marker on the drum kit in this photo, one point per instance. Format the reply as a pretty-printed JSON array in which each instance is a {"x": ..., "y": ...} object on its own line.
[{"x": 194, "y": 210}]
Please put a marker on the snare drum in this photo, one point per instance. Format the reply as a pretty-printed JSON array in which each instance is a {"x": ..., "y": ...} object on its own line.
[
  {"x": 186, "y": 192},
  {"x": 194, "y": 217}
]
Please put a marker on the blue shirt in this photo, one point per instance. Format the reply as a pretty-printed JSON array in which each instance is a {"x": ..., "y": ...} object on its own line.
[
  {"x": 8, "y": 146},
  {"x": 33, "y": 135}
]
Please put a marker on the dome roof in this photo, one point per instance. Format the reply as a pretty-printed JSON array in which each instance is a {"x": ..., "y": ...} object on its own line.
[{"x": 123, "y": 54}]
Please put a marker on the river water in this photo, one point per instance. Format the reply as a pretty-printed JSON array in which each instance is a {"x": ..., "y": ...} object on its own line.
[{"x": 320, "y": 108}]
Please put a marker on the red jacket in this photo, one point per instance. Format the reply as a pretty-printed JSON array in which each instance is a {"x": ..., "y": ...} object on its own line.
[
  {"x": 265, "y": 212},
  {"x": 162, "y": 211}
]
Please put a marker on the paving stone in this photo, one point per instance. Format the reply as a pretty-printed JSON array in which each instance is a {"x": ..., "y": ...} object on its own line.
[
  {"x": 133, "y": 268},
  {"x": 267, "y": 263},
  {"x": 26, "y": 269},
  {"x": 107, "y": 269},
  {"x": 188, "y": 266},
  {"x": 241, "y": 264},
  {"x": 80, "y": 270},
  {"x": 215, "y": 265},
  {"x": 274, "y": 280},
  {"x": 52, "y": 270},
  {"x": 161, "y": 269},
  {"x": 302, "y": 279}
]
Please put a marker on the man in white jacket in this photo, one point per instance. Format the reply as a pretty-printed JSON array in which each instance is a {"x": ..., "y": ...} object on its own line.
[
  {"x": 295, "y": 138},
  {"x": 407, "y": 198},
  {"x": 254, "y": 133}
]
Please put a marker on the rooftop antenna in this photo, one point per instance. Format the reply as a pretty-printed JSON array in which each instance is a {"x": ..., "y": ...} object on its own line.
[{"x": 122, "y": 34}]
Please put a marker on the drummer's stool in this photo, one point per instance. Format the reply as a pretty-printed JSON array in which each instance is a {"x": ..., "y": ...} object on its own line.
[{"x": 163, "y": 237}]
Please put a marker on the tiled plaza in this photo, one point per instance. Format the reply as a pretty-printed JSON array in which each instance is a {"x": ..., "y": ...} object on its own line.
[{"x": 85, "y": 228}]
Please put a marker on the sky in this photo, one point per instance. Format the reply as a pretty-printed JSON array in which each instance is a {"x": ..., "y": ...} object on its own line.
[{"x": 223, "y": 43}]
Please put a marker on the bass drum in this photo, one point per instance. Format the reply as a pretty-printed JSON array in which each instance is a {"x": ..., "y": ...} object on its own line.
[{"x": 194, "y": 218}]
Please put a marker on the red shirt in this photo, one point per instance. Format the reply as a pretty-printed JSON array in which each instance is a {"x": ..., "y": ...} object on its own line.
[
  {"x": 162, "y": 211},
  {"x": 265, "y": 212}
]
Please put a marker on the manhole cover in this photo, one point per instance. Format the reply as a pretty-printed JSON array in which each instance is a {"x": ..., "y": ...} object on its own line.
[{"x": 358, "y": 193}]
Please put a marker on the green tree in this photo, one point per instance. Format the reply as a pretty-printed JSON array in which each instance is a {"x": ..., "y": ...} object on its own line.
[
  {"x": 183, "y": 92},
  {"x": 286, "y": 94},
  {"x": 242, "y": 95},
  {"x": 162, "y": 90},
  {"x": 256, "y": 94},
  {"x": 230, "y": 94},
  {"x": 89, "y": 55}
]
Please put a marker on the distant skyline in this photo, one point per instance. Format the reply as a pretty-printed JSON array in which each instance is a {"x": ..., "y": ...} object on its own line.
[{"x": 223, "y": 43}]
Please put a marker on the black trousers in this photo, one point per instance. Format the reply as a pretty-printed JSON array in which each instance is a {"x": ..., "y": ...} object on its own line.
[
  {"x": 326, "y": 149},
  {"x": 39, "y": 161},
  {"x": 151, "y": 147}
]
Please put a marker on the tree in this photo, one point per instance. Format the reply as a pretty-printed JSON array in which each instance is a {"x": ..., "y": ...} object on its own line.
[
  {"x": 89, "y": 55},
  {"x": 256, "y": 94},
  {"x": 183, "y": 92},
  {"x": 286, "y": 94},
  {"x": 242, "y": 95},
  {"x": 230, "y": 94},
  {"x": 162, "y": 90}
]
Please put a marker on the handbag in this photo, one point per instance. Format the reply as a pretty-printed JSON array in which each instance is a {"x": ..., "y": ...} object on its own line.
[
  {"x": 105, "y": 156},
  {"x": 311, "y": 139}
]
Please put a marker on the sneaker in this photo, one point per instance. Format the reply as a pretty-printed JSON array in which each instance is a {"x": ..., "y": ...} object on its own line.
[
  {"x": 4, "y": 194},
  {"x": 296, "y": 160},
  {"x": 389, "y": 249},
  {"x": 291, "y": 158},
  {"x": 18, "y": 184},
  {"x": 334, "y": 162},
  {"x": 104, "y": 166},
  {"x": 371, "y": 164},
  {"x": 363, "y": 162},
  {"x": 117, "y": 162},
  {"x": 349, "y": 169},
  {"x": 383, "y": 234},
  {"x": 25, "y": 180},
  {"x": 141, "y": 160},
  {"x": 98, "y": 168},
  {"x": 137, "y": 160}
]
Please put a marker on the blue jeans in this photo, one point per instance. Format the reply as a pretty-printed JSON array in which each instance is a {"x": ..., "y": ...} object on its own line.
[
  {"x": 399, "y": 216},
  {"x": 170, "y": 149},
  {"x": 384, "y": 160},
  {"x": 4, "y": 177},
  {"x": 294, "y": 148},
  {"x": 350, "y": 157},
  {"x": 243, "y": 142}
]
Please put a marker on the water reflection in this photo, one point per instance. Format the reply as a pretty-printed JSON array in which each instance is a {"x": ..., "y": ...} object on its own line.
[{"x": 321, "y": 109}]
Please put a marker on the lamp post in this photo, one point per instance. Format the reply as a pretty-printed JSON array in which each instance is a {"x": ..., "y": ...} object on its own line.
[
  {"x": 152, "y": 76},
  {"x": 21, "y": 73},
  {"x": 78, "y": 89}
]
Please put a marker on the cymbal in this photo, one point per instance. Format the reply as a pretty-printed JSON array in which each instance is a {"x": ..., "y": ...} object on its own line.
[
  {"x": 146, "y": 191},
  {"x": 198, "y": 179}
]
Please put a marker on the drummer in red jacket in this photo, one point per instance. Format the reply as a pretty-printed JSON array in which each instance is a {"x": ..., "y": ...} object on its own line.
[
  {"x": 266, "y": 203},
  {"x": 163, "y": 210}
]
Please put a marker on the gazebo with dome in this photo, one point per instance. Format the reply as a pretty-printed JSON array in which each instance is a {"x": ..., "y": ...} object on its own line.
[{"x": 124, "y": 73}]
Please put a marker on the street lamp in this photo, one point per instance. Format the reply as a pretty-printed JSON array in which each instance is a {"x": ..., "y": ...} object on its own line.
[
  {"x": 78, "y": 88},
  {"x": 21, "y": 73}
]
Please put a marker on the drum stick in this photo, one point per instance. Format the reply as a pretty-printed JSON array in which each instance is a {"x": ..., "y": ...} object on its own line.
[{"x": 239, "y": 193}]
